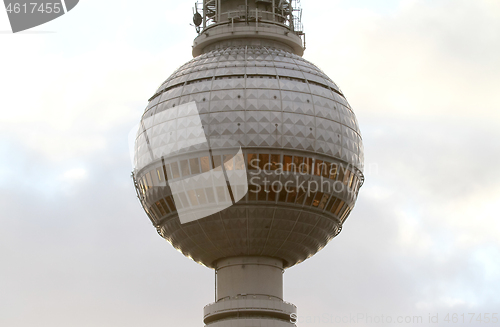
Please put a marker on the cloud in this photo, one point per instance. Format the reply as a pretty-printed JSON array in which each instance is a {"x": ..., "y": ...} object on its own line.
[
  {"x": 422, "y": 60},
  {"x": 422, "y": 78},
  {"x": 75, "y": 174},
  {"x": 423, "y": 235}
]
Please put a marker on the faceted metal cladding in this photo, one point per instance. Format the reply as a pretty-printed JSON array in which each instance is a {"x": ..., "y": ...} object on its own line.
[{"x": 284, "y": 112}]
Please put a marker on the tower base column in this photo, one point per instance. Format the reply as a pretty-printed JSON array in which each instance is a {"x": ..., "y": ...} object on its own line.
[{"x": 249, "y": 291}]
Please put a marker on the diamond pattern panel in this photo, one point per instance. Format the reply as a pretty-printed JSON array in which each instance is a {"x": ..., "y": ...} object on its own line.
[
  {"x": 315, "y": 77},
  {"x": 299, "y": 103},
  {"x": 263, "y": 82},
  {"x": 228, "y": 84},
  {"x": 198, "y": 87},
  {"x": 295, "y": 86},
  {"x": 318, "y": 90},
  {"x": 290, "y": 73}
]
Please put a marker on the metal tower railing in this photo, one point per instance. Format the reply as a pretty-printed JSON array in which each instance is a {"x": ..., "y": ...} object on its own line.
[{"x": 283, "y": 12}]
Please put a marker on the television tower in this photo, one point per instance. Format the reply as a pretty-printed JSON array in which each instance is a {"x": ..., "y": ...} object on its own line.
[{"x": 248, "y": 158}]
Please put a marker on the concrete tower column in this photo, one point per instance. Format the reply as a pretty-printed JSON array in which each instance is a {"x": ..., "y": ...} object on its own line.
[
  {"x": 261, "y": 276},
  {"x": 249, "y": 290}
]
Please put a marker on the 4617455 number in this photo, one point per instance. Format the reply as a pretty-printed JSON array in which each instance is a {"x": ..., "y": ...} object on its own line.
[
  {"x": 481, "y": 318},
  {"x": 31, "y": 8}
]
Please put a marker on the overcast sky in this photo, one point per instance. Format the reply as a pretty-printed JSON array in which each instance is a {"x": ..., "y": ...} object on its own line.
[{"x": 423, "y": 78}]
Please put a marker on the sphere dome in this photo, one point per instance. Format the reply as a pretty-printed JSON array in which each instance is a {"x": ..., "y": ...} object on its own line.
[{"x": 295, "y": 129}]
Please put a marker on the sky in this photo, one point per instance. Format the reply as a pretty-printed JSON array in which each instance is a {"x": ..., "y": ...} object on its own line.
[{"x": 423, "y": 77}]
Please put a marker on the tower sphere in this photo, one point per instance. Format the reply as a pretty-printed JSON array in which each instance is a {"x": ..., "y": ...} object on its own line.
[
  {"x": 302, "y": 152},
  {"x": 281, "y": 109}
]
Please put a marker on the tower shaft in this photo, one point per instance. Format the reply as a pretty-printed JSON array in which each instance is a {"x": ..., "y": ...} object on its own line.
[
  {"x": 249, "y": 275},
  {"x": 249, "y": 288}
]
